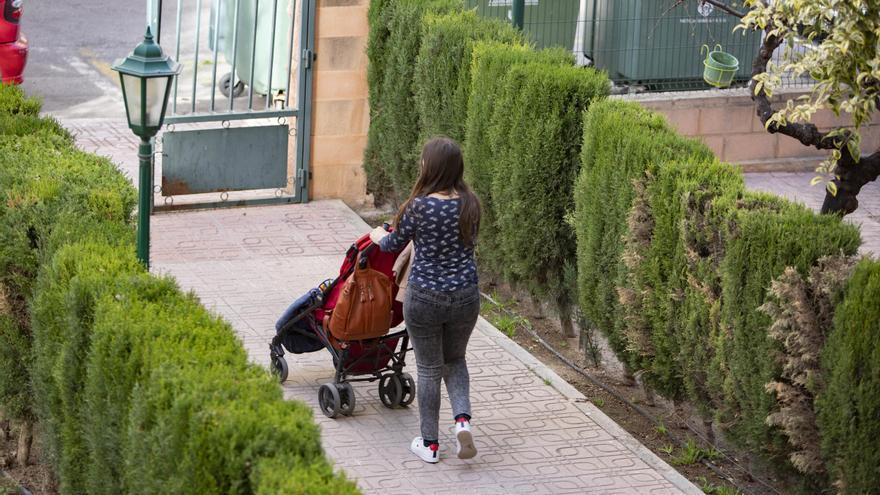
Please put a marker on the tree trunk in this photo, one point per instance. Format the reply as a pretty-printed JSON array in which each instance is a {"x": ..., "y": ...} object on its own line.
[
  {"x": 851, "y": 176},
  {"x": 710, "y": 432},
  {"x": 25, "y": 440},
  {"x": 537, "y": 307},
  {"x": 563, "y": 305},
  {"x": 649, "y": 394}
]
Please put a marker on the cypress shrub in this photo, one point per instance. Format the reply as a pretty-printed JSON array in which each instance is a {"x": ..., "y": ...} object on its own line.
[
  {"x": 849, "y": 407},
  {"x": 51, "y": 193},
  {"x": 764, "y": 241},
  {"x": 62, "y": 320},
  {"x": 621, "y": 141},
  {"x": 491, "y": 63},
  {"x": 378, "y": 18},
  {"x": 703, "y": 236},
  {"x": 397, "y": 124},
  {"x": 443, "y": 70},
  {"x": 655, "y": 259},
  {"x": 14, "y": 102},
  {"x": 541, "y": 114},
  {"x": 121, "y": 361}
]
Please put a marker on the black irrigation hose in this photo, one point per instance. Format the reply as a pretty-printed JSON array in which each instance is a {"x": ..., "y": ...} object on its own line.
[{"x": 641, "y": 411}]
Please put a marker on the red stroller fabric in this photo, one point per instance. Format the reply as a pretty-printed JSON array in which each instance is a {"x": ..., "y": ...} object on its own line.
[
  {"x": 378, "y": 260},
  {"x": 368, "y": 356}
]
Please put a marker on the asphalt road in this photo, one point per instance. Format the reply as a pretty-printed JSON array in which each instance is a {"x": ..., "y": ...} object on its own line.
[{"x": 73, "y": 43}]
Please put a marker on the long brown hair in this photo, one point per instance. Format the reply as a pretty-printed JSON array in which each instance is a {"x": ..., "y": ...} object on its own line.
[{"x": 442, "y": 170}]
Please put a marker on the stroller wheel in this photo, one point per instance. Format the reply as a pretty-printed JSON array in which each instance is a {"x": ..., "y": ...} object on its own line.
[
  {"x": 329, "y": 400},
  {"x": 409, "y": 389},
  {"x": 279, "y": 368},
  {"x": 348, "y": 401},
  {"x": 390, "y": 390}
]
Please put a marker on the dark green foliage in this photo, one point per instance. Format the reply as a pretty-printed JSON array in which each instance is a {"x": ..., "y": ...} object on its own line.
[
  {"x": 656, "y": 261},
  {"x": 849, "y": 408},
  {"x": 491, "y": 63},
  {"x": 397, "y": 124},
  {"x": 14, "y": 365},
  {"x": 764, "y": 241},
  {"x": 138, "y": 388},
  {"x": 62, "y": 319},
  {"x": 379, "y": 18},
  {"x": 14, "y": 102},
  {"x": 621, "y": 141},
  {"x": 443, "y": 70},
  {"x": 539, "y": 130}
]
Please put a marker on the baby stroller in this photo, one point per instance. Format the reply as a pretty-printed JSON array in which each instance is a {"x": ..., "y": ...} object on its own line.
[{"x": 300, "y": 329}]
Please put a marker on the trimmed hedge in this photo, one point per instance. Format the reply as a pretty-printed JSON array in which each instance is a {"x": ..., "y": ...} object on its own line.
[
  {"x": 538, "y": 123},
  {"x": 675, "y": 263},
  {"x": 655, "y": 261},
  {"x": 621, "y": 141},
  {"x": 397, "y": 123},
  {"x": 379, "y": 19},
  {"x": 765, "y": 241},
  {"x": 849, "y": 408},
  {"x": 491, "y": 63},
  {"x": 442, "y": 80},
  {"x": 139, "y": 389}
]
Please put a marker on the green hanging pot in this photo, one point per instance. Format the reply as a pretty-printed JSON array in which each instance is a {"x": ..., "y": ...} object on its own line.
[{"x": 720, "y": 67}]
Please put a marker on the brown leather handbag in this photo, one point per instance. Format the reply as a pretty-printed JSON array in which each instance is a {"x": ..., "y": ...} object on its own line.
[{"x": 363, "y": 310}]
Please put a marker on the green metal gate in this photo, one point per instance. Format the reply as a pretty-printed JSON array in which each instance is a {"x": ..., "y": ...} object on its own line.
[{"x": 245, "y": 89}]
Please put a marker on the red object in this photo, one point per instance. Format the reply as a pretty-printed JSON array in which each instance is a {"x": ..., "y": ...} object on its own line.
[
  {"x": 373, "y": 355},
  {"x": 13, "y": 46},
  {"x": 378, "y": 260}
]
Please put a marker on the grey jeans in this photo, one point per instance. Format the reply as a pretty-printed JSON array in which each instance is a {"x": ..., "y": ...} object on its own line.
[{"x": 440, "y": 325}]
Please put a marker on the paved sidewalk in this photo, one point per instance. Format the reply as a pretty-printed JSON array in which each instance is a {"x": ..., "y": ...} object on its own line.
[{"x": 534, "y": 436}]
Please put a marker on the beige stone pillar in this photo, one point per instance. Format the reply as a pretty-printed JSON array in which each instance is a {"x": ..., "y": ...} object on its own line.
[{"x": 340, "y": 111}]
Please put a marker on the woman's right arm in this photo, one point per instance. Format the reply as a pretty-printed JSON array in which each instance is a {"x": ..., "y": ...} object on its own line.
[{"x": 397, "y": 240}]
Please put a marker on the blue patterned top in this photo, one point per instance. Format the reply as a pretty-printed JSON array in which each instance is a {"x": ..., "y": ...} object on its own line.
[{"x": 442, "y": 262}]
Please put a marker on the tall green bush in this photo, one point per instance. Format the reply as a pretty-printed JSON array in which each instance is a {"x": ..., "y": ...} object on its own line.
[
  {"x": 491, "y": 63},
  {"x": 139, "y": 389},
  {"x": 443, "y": 70},
  {"x": 621, "y": 141},
  {"x": 397, "y": 124},
  {"x": 655, "y": 260},
  {"x": 378, "y": 18},
  {"x": 765, "y": 240},
  {"x": 539, "y": 130},
  {"x": 849, "y": 407}
]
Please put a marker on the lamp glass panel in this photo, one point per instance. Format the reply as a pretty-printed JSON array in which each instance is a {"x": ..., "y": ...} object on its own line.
[
  {"x": 132, "y": 86},
  {"x": 155, "y": 99}
]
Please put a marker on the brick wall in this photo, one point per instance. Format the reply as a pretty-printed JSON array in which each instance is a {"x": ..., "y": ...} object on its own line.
[
  {"x": 340, "y": 107},
  {"x": 726, "y": 121}
]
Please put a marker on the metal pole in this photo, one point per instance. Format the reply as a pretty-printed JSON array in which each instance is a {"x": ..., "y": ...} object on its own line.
[
  {"x": 145, "y": 200},
  {"x": 519, "y": 12}
]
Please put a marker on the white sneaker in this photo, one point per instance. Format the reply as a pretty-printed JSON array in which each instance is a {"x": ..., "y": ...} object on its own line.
[
  {"x": 465, "y": 440},
  {"x": 428, "y": 454}
]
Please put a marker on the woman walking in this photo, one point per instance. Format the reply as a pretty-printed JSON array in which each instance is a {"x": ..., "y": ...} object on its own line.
[{"x": 442, "y": 301}]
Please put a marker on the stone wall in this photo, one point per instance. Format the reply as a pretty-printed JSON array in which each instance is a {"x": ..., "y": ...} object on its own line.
[
  {"x": 341, "y": 116},
  {"x": 726, "y": 121}
]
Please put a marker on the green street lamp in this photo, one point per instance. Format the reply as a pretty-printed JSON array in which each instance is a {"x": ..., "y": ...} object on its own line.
[{"x": 146, "y": 76}]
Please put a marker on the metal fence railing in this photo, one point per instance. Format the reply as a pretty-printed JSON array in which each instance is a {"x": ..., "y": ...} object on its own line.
[{"x": 647, "y": 45}]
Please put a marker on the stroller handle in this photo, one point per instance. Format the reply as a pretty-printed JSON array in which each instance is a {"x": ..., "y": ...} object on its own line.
[{"x": 369, "y": 249}]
